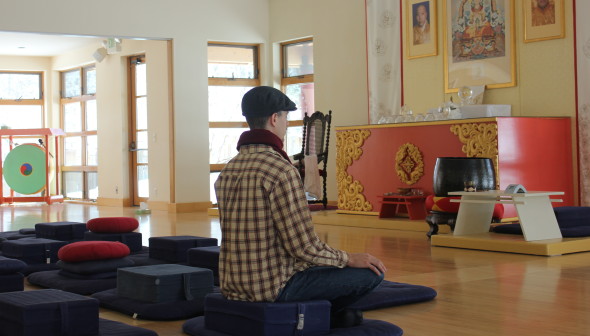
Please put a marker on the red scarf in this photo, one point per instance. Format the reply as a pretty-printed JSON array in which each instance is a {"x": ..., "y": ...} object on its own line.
[{"x": 263, "y": 137}]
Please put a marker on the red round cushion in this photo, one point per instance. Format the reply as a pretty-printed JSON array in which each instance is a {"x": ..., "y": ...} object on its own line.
[
  {"x": 112, "y": 224},
  {"x": 92, "y": 250},
  {"x": 444, "y": 204}
]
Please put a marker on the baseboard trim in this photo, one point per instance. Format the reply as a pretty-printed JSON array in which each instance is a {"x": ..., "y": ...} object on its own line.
[
  {"x": 189, "y": 207},
  {"x": 158, "y": 205},
  {"x": 116, "y": 202}
]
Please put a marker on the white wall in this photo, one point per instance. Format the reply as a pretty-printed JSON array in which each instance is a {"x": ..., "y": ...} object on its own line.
[{"x": 190, "y": 24}]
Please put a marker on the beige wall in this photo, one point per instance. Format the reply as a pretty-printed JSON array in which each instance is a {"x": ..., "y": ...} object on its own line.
[
  {"x": 190, "y": 24},
  {"x": 340, "y": 66},
  {"x": 544, "y": 71},
  {"x": 544, "y": 74}
]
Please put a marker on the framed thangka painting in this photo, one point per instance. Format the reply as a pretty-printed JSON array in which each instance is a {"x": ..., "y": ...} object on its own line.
[
  {"x": 479, "y": 46},
  {"x": 421, "y": 28},
  {"x": 543, "y": 20}
]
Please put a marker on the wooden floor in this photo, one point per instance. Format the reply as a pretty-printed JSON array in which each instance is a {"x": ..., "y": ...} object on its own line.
[{"x": 479, "y": 293}]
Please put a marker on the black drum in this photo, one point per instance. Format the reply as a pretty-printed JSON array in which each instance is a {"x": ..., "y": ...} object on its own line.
[{"x": 451, "y": 173}]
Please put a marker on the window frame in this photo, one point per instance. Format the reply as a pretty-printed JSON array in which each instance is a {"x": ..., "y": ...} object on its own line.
[
  {"x": 226, "y": 81},
  {"x": 32, "y": 102},
  {"x": 288, "y": 80},
  {"x": 84, "y": 168}
]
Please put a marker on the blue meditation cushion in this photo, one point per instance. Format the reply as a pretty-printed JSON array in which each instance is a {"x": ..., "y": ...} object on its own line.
[
  {"x": 33, "y": 250},
  {"x": 12, "y": 235},
  {"x": 48, "y": 312},
  {"x": 174, "y": 248},
  {"x": 96, "y": 266},
  {"x": 508, "y": 229},
  {"x": 196, "y": 327},
  {"x": 12, "y": 282},
  {"x": 163, "y": 311},
  {"x": 10, "y": 266},
  {"x": 34, "y": 268},
  {"x": 53, "y": 279},
  {"x": 67, "y": 231},
  {"x": 206, "y": 257},
  {"x": 114, "y": 328},
  {"x": 266, "y": 318},
  {"x": 566, "y": 232},
  {"x": 166, "y": 282},
  {"x": 93, "y": 276},
  {"x": 27, "y": 231},
  {"x": 131, "y": 239},
  {"x": 390, "y": 294},
  {"x": 572, "y": 216}
]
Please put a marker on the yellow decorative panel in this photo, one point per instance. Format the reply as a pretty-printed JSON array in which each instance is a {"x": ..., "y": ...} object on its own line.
[
  {"x": 479, "y": 140},
  {"x": 350, "y": 192},
  {"x": 409, "y": 164}
]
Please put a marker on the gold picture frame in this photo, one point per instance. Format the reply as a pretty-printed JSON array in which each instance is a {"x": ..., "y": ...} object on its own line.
[
  {"x": 421, "y": 28},
  {"x": 479, "y": 44},
  {"x": 543, "y": 20}
]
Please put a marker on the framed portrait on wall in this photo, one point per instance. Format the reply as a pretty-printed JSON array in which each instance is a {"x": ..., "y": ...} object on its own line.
[
  {"x": 543, "y": 20},
  {"x": 479, "y": 45},
  {"x": 421, "y": 28}
]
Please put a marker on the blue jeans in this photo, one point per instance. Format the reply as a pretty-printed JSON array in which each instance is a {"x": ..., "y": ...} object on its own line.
[{"x": 341, "y": 286}]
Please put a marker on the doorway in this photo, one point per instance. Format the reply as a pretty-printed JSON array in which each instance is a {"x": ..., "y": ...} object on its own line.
[{"x": 138, "y": 129}]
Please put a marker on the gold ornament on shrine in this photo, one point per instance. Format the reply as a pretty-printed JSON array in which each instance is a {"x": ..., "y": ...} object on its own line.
[{"x": 409, "y": 164}]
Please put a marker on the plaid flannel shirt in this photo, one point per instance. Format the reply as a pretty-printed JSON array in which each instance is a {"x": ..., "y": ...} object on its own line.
[{"x": 267, "y": 233}]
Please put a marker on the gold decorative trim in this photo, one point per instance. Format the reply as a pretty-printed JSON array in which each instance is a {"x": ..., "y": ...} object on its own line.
[
  {"x": 350, "y": 191},
  {"x": 409, "y": 164},
  {"x": 479, "y": 140}
]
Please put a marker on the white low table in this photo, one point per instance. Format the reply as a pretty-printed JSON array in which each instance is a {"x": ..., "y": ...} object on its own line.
[{"x": 534, "y": 209}]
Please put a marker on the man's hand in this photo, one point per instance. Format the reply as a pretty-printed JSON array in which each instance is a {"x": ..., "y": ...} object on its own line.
[{"x": 365, "y": 260}]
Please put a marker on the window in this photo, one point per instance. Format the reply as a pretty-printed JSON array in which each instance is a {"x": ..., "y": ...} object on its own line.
[
  {"x": 232, "y": 71},
  {"x": 21, "y": 100},
  {"x": 80, "y": 144},
  {"x": 297, "y": 83}
]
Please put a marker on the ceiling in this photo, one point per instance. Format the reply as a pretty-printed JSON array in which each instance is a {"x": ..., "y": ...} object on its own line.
[{"x": 30, "y": 44}]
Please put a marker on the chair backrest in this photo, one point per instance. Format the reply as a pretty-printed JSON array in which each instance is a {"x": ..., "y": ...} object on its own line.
[{"x": 316, "y": 134}]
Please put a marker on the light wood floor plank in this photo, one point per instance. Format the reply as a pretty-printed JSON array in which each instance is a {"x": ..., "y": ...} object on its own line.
[{"x": 479, "y": 293}]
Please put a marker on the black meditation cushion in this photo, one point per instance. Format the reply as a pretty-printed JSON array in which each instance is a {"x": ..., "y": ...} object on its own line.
[
  {"x": 112, "y": 224},
  {"x": 10, "y": 266},
  {"x": 92, "y": 250},
  {"x": 95, "y": 266}
]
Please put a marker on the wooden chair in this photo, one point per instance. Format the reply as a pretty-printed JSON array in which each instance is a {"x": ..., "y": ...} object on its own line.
[{"x": 316, "y": 138}]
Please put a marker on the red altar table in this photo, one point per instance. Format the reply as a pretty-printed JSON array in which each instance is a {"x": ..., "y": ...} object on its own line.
[
  {"x": 371, "y": 160},
  {"x": 394, "y": 205}
]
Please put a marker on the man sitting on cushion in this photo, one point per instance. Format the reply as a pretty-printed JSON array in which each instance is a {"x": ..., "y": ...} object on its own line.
[{"x": 269, "y": 250}]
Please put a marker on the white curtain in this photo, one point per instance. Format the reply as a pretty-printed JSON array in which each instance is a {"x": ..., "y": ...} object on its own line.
[
  {"x": 383, "y": 52},
  {"x": 583, "y": 54}
]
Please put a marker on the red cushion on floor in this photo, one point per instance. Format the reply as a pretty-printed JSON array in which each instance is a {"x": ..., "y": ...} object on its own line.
[
  {"x": 112, "y": 224},
  {"x": 92, "y": 250},
  {"x": 444, "y": 204}
]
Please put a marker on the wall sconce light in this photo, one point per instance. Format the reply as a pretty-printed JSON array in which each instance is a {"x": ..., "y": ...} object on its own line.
[{"x": 100, "y": 54}]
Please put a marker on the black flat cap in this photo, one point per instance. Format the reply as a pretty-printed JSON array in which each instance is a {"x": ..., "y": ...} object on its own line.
[{"x": 263, "y": 101}]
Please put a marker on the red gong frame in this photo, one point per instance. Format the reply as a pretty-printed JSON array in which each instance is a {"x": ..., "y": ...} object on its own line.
[{"x": 45, "y": 133}]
